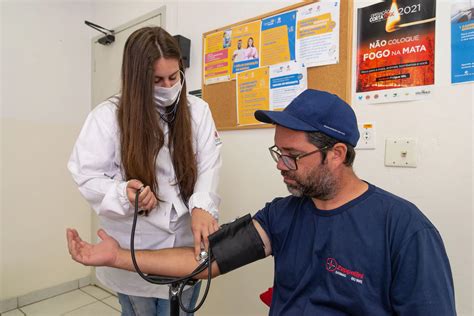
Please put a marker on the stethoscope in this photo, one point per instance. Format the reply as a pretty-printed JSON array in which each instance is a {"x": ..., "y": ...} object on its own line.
[
  {"x": 177, "y": 284},
  {"x": 170, "y": 115}
]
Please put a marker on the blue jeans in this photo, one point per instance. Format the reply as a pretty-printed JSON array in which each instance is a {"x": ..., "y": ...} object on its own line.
[{"x": 152, "y": 306}]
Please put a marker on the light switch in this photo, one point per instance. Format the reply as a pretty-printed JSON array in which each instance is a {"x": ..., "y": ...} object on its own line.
[
  {"x": 400, "y": 152},
  {"x": 367, "y": 136}
]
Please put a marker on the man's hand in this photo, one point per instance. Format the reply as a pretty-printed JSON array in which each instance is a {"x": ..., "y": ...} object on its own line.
[
  {"x": 202, "y": 225},
  {"x": 102, "y": 254},
  {"x": 146, "y": 200}
]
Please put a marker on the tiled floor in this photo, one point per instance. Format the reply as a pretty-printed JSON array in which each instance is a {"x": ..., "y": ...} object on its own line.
[{"x": 89, "y": 300}]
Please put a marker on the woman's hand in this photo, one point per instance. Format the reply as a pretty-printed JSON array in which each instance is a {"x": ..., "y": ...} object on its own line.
[
  {"x": 102, "y": 254},
  {"x": 146, "y": 200},
  {"x": 202, "y": 225}
]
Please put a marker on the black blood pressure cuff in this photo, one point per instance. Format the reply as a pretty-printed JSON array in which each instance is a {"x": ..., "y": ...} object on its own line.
[{"x": 236, "y": 244}]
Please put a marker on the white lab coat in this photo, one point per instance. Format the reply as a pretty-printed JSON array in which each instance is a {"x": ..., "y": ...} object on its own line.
[{"x": 96, "y": 167}]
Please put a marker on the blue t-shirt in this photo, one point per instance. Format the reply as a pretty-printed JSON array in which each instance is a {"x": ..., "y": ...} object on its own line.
[{"x": 376, "y": 255}]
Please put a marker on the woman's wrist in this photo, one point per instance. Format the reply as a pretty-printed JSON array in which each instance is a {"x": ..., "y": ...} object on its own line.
[{"x": 213, "y": 213}]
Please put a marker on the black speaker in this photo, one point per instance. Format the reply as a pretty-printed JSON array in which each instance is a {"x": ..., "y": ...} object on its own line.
[{"x": 185, "y": 48}]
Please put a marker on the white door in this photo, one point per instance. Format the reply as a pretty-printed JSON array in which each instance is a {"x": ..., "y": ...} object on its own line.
[
  {"x": 106, "y": 72},
  {"x": 107, "y": 59}
]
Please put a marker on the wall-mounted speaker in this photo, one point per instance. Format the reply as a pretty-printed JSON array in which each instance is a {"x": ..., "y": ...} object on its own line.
[{"x": 185, "y": 48}]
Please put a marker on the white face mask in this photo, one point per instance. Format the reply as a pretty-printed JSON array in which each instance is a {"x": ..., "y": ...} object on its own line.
[{"x": 167, "y": 96}]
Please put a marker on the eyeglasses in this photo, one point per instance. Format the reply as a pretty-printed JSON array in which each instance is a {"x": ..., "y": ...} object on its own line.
[{"x": 289, "y": 161}]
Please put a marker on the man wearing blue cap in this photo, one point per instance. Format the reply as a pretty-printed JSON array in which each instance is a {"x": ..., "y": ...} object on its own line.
[{"x": 341, "y": 246}]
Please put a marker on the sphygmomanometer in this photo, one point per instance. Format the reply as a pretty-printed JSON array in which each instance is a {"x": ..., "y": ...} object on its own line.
[{"x": 234, "y": 245}]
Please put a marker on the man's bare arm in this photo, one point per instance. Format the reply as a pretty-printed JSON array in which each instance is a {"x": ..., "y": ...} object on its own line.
[
  {"x": 264, "y": 237},
  {"x": 175, "y": 262}
]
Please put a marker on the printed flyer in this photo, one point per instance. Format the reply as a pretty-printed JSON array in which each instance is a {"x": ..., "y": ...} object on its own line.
[
  {"x": 278, "y": 39},
  {"x": 287, "y": 81},
  {"x": 216, "y": 57},
  {"x": 252, "y": 95},
  {"x": 317, "y": 34},
  {"x": 462, "y": 41},
  {"x": 395, "y": 51},
  {"x": 245, "y": 47}
]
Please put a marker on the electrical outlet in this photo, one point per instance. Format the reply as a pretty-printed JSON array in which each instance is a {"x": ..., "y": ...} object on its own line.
[
  {"x": 400, "y": 152},
  {"x": 367, "y": 136}
]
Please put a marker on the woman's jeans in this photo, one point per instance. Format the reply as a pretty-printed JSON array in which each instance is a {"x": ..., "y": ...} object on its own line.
[{"x": 151, "y": 306}]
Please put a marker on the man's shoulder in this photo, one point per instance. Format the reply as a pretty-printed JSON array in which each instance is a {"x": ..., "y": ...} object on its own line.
[
  {"x": 393, "y": 198},
  {"x": 280, "y": 212},
  {"x": 398, "y": 210},
  {"x": 286, "y": 200},
  {"x": 284, "y": 206}
]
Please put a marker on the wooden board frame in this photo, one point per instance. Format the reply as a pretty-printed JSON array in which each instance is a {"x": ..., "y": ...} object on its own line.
[{"x": 332, "y": 78}]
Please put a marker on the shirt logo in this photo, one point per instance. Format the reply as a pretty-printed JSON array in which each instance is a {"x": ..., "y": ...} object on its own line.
[
  {"x": 331, "y": 264},
  {"x": 334, "y": 267}
]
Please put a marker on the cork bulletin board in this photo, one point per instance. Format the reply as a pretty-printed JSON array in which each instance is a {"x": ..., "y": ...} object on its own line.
[{"x": 335, "y": 78}]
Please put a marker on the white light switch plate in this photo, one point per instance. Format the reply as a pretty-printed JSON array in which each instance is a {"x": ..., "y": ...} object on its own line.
[
  {"x": 400, "y": 152},
  {"x": 367, "y": 136}
]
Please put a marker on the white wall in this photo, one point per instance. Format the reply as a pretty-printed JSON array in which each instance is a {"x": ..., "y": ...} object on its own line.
[
  {"x": 45, "y": 97},
  {"x": 1, "y": 157}
]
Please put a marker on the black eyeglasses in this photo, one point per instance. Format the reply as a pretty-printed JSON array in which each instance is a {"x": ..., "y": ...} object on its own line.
[{"x": 289, "y": 161}]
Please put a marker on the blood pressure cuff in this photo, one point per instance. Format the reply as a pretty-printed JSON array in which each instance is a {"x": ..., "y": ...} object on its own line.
[{"x": 236, "y": 244}]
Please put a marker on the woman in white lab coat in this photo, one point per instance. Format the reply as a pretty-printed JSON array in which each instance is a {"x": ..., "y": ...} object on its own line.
[{"x": 155, "y": 138}]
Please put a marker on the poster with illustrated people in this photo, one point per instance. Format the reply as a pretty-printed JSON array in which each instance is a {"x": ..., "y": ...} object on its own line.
[
  {"x": 252, "y": 94},
  {"x": 216, "y": 57},
  {"x": 245, "y": 47},
  {"x": 462, "y": 41},
  {"x": 317, "y": 33},
  {"x": 278, "y": 39},
  {"x": 395, "y": 51},
  {"x": 287, "y": 80}
]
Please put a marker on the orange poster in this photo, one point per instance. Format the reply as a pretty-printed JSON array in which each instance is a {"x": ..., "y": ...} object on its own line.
[
  {"x": 252, "y": 94},
  {"x": 216, "y": 57}
]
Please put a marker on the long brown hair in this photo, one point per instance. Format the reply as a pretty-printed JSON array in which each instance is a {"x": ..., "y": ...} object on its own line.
[{"x": 141, "y": 137}]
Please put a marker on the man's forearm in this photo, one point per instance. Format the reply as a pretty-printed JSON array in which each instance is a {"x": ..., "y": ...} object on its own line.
[{"x": 175, "y": 262}]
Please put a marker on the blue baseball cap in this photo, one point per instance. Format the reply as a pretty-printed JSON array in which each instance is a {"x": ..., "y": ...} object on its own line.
[{"x": 316, "y": 111}]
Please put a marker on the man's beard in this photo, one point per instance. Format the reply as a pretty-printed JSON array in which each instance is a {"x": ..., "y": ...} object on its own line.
[{"x": 319, "y": 183}]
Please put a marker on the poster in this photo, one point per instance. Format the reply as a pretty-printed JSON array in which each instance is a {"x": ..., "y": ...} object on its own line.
[
  {"x": 317, "y": 34},
  {"x": 462, "y": 41},
  {"x": 245, "y": 47},
  {"x": 395, "y": 51},
  {"x": 287, "y": 81},
  {"x": 216, "y": 57},
  {"x": 278, "y": 39},
  {"x": 252, "y": 95}
]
